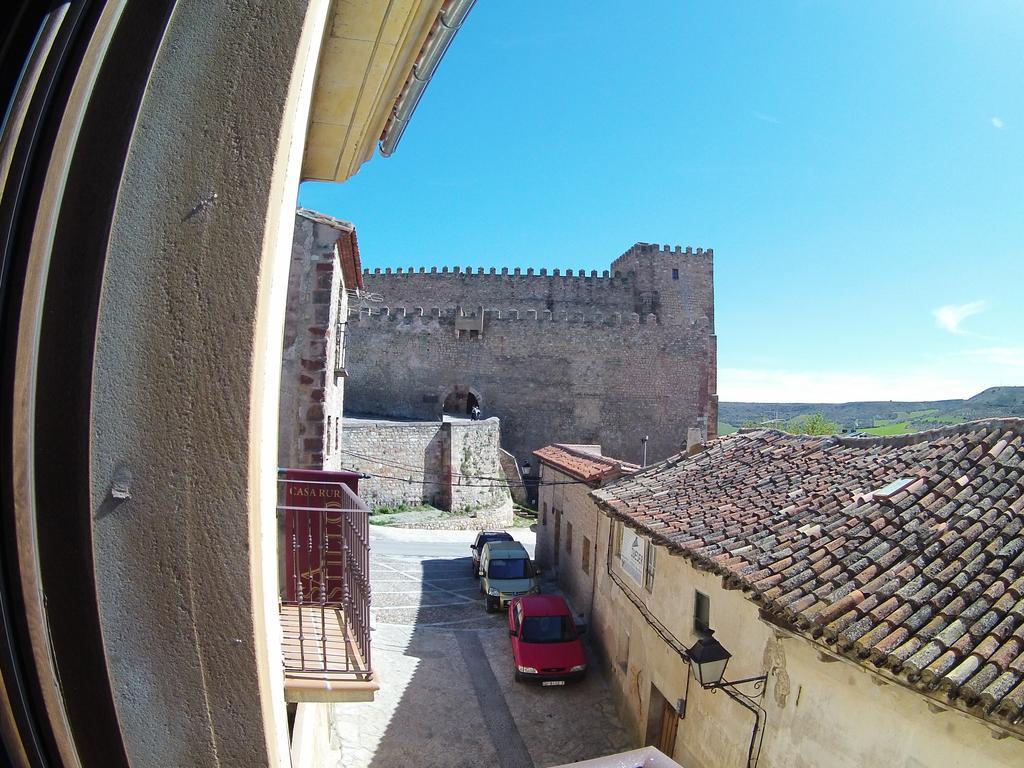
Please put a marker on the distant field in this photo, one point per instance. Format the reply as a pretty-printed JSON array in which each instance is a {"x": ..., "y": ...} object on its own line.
[
  {"x": 895, "y": 428},
  {"x": 881, "y": 417}
]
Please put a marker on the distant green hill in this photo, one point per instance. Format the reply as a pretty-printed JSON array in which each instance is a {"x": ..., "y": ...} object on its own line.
[{"x": 882, "y": 417}]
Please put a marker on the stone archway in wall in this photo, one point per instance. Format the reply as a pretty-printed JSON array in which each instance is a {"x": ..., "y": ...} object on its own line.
[{"x": 460, "y": 401}]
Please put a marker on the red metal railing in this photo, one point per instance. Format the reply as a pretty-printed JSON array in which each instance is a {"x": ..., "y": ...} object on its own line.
[{"x": 325, "y": 607}]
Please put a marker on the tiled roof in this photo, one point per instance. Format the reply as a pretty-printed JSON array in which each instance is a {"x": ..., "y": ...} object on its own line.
[
  {"x": 581, "y": 463},
  {"x": 348, "y": 245},
  {"x": 925, "y": 582}
]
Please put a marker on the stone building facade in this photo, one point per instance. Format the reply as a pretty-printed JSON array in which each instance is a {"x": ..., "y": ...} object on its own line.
[
  {"x": 324, "y": 270},
  {"x": 576, "y": 357},
  {"x": 567, "y": 524}
]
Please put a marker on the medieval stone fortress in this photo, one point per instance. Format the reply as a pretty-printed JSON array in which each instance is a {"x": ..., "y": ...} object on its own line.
[{"x": 605, "y": 359}]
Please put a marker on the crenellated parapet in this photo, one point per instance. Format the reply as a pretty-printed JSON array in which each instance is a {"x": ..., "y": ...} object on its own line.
[
  {"x": 488, "y": 275},
  {"x": 675, "y": 250},
  {"x": 449, "y": 315}
]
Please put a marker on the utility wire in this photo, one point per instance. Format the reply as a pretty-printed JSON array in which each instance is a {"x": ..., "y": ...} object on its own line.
[
  {"x": 497, "y": 482},
  {"x": 500, "y": 484}
]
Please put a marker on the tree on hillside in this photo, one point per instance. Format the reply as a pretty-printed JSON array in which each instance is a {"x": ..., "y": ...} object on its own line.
[{"x": 814, "y": 424}]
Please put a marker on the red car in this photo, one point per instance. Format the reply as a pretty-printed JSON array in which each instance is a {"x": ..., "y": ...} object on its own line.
[{"x": 545, "y": 642}]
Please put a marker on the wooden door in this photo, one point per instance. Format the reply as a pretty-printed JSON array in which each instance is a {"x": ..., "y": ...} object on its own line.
[{"x": 667, "y": 732}]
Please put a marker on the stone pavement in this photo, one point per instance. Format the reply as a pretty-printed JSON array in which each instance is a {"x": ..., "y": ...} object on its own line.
[{"x": 447, "y": 695}]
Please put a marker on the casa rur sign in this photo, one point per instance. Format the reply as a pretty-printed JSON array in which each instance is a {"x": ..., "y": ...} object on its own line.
[{"x": 313, "y": 502}]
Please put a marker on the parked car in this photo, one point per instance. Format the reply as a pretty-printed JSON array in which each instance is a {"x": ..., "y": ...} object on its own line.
[
  {"x": 506, "y": 572},
  {"x": 545, "y": 641},
  {"x": 482, "y": 538}
]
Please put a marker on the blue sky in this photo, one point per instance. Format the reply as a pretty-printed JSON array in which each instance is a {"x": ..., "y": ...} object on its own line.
[{"x": 858, "y": 168}]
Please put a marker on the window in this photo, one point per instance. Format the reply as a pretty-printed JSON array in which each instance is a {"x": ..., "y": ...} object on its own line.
[
  {"x": 548, "y": 629},
  {"x": 586, "y": 555},
  {"x": 675, "y": 274},
  {"x": 508, "y": 568},
  {"x": 649, "y": 566},
  {"x": 558, "y": 532},
  {"x": 568, "y": 537},
  {"x": 701, "y": 613}
]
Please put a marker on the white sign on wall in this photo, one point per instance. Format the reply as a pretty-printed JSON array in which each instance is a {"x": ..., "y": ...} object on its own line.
[{"x": 631, "y": 555}]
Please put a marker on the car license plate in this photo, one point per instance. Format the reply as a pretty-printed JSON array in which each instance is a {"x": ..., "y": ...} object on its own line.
[{"x": 553, "y": 682}]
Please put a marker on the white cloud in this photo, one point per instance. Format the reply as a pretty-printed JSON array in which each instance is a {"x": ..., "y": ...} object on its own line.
[
  {"x": 950, "y": 316},
  {"x": 766, "y": 118},
  {"x": 997, "y": 122},
  {"x": 789, "y": 386},
  {"x": 1004, "y": 357}
]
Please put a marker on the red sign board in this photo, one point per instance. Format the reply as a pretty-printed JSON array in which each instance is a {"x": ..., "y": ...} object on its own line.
[{"x": 313, "y": 501}]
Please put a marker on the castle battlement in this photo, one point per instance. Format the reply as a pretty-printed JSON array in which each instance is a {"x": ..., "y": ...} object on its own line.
[
  {"x": 639, "y": 248},
  {"x": 504, "y": 273},
  {"x": 447, "y": 316}
]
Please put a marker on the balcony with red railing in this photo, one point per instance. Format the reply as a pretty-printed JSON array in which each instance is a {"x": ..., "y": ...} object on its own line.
[{"x": 325, "y": 577}]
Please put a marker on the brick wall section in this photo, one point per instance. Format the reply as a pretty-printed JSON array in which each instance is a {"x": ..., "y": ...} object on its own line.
[
  {"x": 475, "y": 460},
  {"x": 412, "y": 453},
  {"x": 561, "y": 358},
  {"x": 572, "y": 498},
  {"x": 450, "y": 465},
  {"x": 311, "y": 396}
]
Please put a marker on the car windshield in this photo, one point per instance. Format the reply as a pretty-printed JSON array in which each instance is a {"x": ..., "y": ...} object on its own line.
[
  {"x": 494, "y": 537},
  {"x": 548, "y": 629},
  {"x": 505, "y": 568}
]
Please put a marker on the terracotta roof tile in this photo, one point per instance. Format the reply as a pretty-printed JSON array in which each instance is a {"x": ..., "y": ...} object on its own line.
[
  {"x": 926, "y": 583},
  {"x": 586, "y": 465}
]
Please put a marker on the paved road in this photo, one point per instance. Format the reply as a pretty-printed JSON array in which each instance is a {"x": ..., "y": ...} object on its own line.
[
  {"x": 407, "y": 542},
  {"x": 447, "y": 695}
]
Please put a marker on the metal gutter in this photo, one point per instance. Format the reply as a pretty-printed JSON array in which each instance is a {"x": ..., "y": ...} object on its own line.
[{"x": 448, "y": 22}]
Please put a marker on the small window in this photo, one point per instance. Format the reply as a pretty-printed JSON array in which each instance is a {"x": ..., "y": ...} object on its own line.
[
  {"x": 586, "y": 555},
  {"x": 568, "y": 537},
  {"x": 474, "y": 334},
  {"x": 675, "y": 274},
  {"x": 649, "y": 567},
  {"x": 701, "y": 613}
]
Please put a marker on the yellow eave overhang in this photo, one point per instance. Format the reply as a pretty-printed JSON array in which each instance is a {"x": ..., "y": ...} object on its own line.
[{"x": 370, "y": 47}]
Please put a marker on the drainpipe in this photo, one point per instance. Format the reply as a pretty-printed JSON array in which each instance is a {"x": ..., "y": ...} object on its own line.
[{"x": 449, "y": 21}]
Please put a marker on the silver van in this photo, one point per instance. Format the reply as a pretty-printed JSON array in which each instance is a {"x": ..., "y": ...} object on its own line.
[{"x": 506, "y": 572}]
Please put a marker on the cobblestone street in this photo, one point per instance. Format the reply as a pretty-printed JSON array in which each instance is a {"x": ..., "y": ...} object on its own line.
[{"x": 447, "y": 694}]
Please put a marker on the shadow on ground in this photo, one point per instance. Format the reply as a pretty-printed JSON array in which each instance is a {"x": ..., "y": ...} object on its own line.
[{"x": 447, "y": 695}]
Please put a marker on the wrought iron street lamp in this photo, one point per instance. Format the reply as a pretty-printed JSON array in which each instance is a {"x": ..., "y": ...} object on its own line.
[{"x": 708, "y": 659}]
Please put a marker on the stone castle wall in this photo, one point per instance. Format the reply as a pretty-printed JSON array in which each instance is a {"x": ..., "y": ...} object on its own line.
[
  {"x": 454, "y": 465},
  {"x": 558, "y": 357},
  {"x": 406, "y": 461}
]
